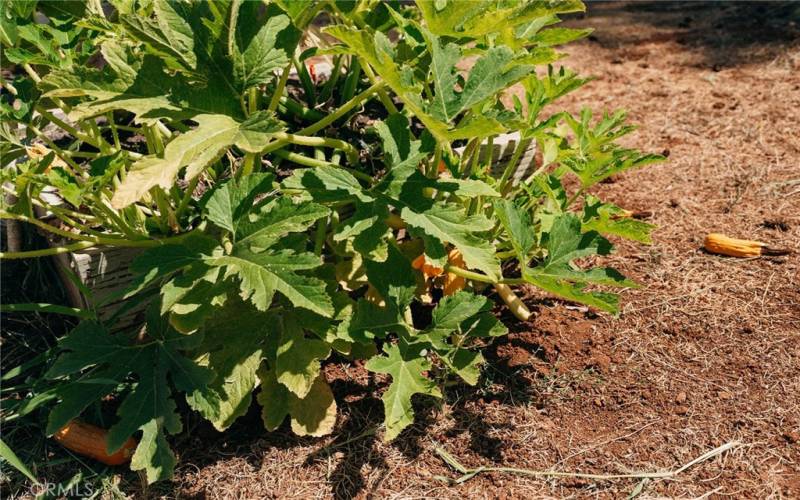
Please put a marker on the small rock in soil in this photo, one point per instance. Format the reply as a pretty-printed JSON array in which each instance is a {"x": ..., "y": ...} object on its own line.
[
  {"x": 780, "y": 225},
  {"x": 791, "y": 436}
]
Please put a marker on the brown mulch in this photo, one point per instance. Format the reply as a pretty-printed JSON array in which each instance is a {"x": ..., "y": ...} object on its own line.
[{"x": 706, "y": 352}]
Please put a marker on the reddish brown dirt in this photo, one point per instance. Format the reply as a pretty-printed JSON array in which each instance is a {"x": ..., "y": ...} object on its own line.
[{"x": 706, "y": 352}]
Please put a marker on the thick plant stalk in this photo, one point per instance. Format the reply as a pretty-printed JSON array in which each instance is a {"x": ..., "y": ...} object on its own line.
[
  {"x": 47, "y": 251},
  {"x": 13, "y": 228},
  {"x": 302, "y": 140},
  {"x": 311, "y": 162},
  {"x": 514, "y": 303}
]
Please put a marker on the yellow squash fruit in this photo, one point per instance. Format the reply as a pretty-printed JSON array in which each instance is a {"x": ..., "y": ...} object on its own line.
[
  {"x": 90, "y": 441},
  {"x": 725, "y": 245}
]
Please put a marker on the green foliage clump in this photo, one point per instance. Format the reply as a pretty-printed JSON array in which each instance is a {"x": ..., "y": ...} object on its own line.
[{"x": 284, "y": 216}]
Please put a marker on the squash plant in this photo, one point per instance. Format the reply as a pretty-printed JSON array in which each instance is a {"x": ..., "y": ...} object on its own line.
[{"x": 284, "y": 216}]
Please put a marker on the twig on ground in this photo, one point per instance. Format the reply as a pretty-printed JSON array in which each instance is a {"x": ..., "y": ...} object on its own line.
[{"x": 467, "y": 474}]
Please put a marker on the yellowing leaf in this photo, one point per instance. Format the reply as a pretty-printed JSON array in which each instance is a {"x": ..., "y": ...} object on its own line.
[
  {"x": 314, "y": 415},
  {"x": 195, "y": 150}
]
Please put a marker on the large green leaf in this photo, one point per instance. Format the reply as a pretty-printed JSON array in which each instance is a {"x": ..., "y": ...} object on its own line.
[
  {"x": 608, "y": 218},
  {"x": 478, "y": 18},
  {"x": 445, "y": 104},
  {"x": 263, "y": 274},
  {"x": 557, "y": 273},
  {"x": 492, "y": 73},
  {"x": 152, "y": 93},
  {"x": 232, "y": 200},
  {"x": 265, "y": 42},
  {"x": 167, "y": 33},
  {"x": 7, "y": 454},
  {"x": 192, "y": 296},
  {"x": 326, "y": 184},
  {"x": 275, "y": 220},
  {"x": 450, "y": 224},
  {"x": 394, "y": 278},
  {"x": 517, "y": 225},
  {"x": 407, "y": 367},
  {"x": 158, "y": 262},
  {"x": 195, "y": 150},
  {"x": 457, "y": 319},
  {"x": 232, "y": 347},
  {"x": 376, "y": 49},
  {"x": 371, "y": 320},
  {"x": 93, "y": 357}
]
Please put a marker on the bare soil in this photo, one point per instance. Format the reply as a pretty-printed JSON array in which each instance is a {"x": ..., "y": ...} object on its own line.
[{"x": 706, "y": 352}]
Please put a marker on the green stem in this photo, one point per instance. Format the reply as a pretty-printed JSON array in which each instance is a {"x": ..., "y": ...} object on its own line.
[
  {"x": 342, "y": 110},
  {"x": 47, "y": 227},
  {"x": 166, "y": 219},
  {"x": 476, "y": 156},
  {"x": 327, "y": 88},
  {"x": 351, "y": 81},
  {"x": 433, "y": 169},
  {"x": 10, "y": 88},
  {"x": 89, "y": 244},
  {"x": 302, "y": 140},
  {"x": 100, "y": 240},
  {"x": 252, "y": 100},
  {"x": 247, "y": 165},
  {"x": 103, "y": 145},
  {"x": 68, "y": 128},
  {"x": 37, "y": 79},
  {"x": 574, "y": 197},
  {"x": 511, "y": 167},
  {"x": 76, "y": 169},
  {"x": 506, "y": 254},
  {"x": 311, "y": 162},
  {"x": 382, "y": 95},
  {"x": 276, "y": 97},
  {"x": 32, "y": 73},
  {"x": 163, "y": 129},
  {"x": 102, "y": 206},
  {"x": 465, "y": 157},
  {"x": 470, "y": 275},
  {"x": 187, "y": 197},
  {"x": 47, "y": 308},
  {"x": 47, "y": 251},
  {"x": 305, "y": 81},
  {"x": 289, "y": 105},
  {"x": 319, "y": 238},
  {"x": 81, "y": 154},
  {"x": 158, "y": 141}
]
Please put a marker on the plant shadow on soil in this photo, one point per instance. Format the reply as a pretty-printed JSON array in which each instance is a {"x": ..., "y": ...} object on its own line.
[
  {"x": 726, "y": 34},
  {"x": 518, "y": 370}
]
